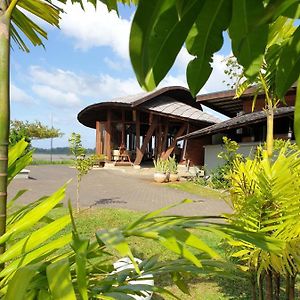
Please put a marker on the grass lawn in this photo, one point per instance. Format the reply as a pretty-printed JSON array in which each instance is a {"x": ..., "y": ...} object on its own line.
[
  {"x": 197, "y": 189},
  {"x": 204, "y": 287}
]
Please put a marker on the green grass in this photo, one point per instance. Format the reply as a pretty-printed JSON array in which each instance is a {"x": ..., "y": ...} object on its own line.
[
  {"x": 204, "y": 287},
  {"x": 197, "y": 189},
  {"x": 54, "y": 162}
]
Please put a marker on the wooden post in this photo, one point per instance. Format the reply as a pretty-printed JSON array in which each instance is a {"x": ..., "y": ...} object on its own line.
[
  {"x": 99, "y": 146},
  {"x": 159, "y": 138},
  {"x": 140, "y": 152},
  {"x": 137, "y": 130},
  {"x": 123, "y": 128},
  {"x": 165, "y": 138},
  {"x": 108, "y": 135},
  {"x": 173, "y": 144}
]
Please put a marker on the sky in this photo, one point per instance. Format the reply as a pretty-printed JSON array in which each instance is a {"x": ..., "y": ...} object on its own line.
[{"x": 85, "y": 62}]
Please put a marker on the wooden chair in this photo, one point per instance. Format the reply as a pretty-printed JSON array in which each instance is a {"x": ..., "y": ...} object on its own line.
[{"x": 123, "y": 154}]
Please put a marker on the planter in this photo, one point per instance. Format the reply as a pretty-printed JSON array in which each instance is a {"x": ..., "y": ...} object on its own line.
[
  {"x": 160, "y": 177},
  {"x": 173, "y": 177}
]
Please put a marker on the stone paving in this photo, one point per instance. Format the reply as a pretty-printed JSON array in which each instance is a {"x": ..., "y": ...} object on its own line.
[{"x": 118, "y": 188}]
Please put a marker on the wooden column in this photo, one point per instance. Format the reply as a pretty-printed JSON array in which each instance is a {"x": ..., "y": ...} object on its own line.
[
  {"x": 140, "y": 152},
  {"x": 165, "y": 137},
  {"x": 137, "y": 130},
  {"x": 123, "y": 128},
  {"x": 108, "y": 135},
  {"x": 173, "y": 144},
  {"x": 159, "y": 138},
  {"x": 99, "y": 146}
]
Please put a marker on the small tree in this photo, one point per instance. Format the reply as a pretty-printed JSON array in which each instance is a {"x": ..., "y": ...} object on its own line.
[
  {"x": 82, "y": 163},
  {"x": 31, "y": 131}
]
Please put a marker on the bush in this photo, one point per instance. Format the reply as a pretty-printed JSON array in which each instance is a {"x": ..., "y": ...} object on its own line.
[{"x": 219, "y": 178}]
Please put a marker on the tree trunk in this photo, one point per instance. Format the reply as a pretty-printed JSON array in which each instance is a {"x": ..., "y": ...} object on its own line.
[
  {"x": 270, "y": 126},
  {"x": 261, "y": 288},
  {"x": 77, "y": 195},
  {"x": 269, "y": 286},
  {"x": 4, "y": 114},
  {"x": 287, "y": 287},
  {"x": 277, "y": 286},
  {"x": 292, "y": 288},
  {"x": 253, "y": 287}
]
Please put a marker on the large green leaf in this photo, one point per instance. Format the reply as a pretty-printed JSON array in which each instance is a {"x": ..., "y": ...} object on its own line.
[
  {"x": 60, "y": 282},
  {"x": 289, "y": 64},
  {"x": 248, "y": 40},
  {"x": 114, "y": 238},
  {"x": 34, "y": 239},
  {"x": 204, "y": 39},
  {"x": 19, "y": 283},
  {"x": 157, "y": 34},
  {"x": 36, "y": 255},
  {"x": 16, "y": 160},
  {"x": 33, "y": 216}
]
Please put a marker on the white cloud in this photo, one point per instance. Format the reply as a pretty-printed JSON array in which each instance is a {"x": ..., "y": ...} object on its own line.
[
  {"x": 19, "y": 95},
  {"x": 55, "y": 96},
  {"x": 171, "y": 80},
  {"x": 182, "y": 59},
  {"x": 117, "y": 65},
  {"x": 72, "y": 87},
  {"x": 96, "y": 28},
  {"x": 215, "y": 82}
]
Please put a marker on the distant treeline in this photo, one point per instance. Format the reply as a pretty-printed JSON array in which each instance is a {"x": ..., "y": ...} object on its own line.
[{"x": 60, "y": 150}]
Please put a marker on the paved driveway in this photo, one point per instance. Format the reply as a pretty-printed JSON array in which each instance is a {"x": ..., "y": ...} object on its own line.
[{"x": 113, "y": 188}]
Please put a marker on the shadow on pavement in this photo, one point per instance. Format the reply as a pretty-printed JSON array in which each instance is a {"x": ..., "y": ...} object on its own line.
[{"x": 106, "y": 201}]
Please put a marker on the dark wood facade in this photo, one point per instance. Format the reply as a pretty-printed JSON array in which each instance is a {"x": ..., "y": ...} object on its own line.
[{"x": 146, "y": 126}]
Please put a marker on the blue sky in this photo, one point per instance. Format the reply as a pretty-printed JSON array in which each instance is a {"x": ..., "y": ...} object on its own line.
[{"x": 85, "y": 62}]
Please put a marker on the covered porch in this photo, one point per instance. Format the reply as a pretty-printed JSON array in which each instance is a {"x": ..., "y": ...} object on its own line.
[{"x": 142, "y": 127}]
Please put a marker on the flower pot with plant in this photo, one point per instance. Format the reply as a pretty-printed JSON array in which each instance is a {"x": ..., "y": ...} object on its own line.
[
  {"x": 160, "y": 166},
  {"x": 173, "y": 169}
]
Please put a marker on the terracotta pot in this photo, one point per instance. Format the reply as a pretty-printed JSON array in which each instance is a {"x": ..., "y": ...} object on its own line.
[
  {"x": 173, "y": 177},
  {"x": 160, "y": 177}
]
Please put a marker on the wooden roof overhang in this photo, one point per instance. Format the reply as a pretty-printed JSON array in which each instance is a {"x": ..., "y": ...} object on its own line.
[
  {"x": 151, "y": 103},
  {"x": 224, "y": 102},
  {"x": 239, "y": 122}
]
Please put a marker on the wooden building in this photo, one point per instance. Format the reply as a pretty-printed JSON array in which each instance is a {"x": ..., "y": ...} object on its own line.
[
  {"x": 243, "y": 126},
  {"x": 147, "y": 125}
]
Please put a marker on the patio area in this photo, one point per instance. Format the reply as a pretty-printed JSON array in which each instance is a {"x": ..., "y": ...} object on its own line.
[{"x": 125, "y": 188}]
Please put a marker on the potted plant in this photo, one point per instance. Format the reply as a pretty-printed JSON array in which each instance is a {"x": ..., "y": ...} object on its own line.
[
  {"x": 172, "y": 169},
  {"x": 160, "y": 166}
]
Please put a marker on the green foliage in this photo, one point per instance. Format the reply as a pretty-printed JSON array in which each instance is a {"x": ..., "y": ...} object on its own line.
[
  {"x": 160, "y": 165},
  {"x": 75, "y": 145},
  {"x": 37, "y": 162},
  {"x": 265, "y": 199},
  {"x": 229, "y": 155},
  {"x": 26, "y": 250},
  {"x": 172, "y": 165},
  {"x": 160, "y": 29},
  {"x": 82, "y": 163},
  {"x": 17, "y": 160},
  {"x": 201, "y": 46},
  {"x": 29, "y": 131}
]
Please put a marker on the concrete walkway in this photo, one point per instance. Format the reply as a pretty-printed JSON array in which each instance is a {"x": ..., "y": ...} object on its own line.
[{"x": 132, "y": 189}]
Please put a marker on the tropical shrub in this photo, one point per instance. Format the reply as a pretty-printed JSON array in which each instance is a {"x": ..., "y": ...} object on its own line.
[
  {"x": 172, "y": 165},
  {"x": 228, "y": 155},
  {"x": 81, "y": 162},
  {"x": 160, "y": 165},
  {"x": 265, "y": 198}
]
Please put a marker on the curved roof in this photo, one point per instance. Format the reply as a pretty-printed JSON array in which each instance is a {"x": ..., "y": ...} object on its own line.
[
  {"x": 175, "y": 101},
  {"x": 240, "y": 121}
]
